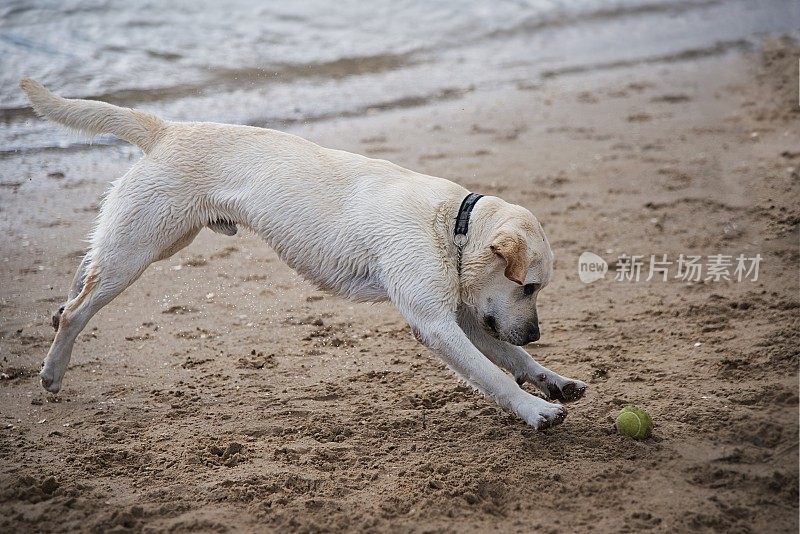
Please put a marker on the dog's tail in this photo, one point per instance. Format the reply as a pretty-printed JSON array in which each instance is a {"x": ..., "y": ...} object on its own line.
[{"x": 94, "y": 117}]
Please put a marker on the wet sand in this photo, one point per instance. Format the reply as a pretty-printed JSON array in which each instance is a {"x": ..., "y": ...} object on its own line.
[{"x": 223, "y": 393}]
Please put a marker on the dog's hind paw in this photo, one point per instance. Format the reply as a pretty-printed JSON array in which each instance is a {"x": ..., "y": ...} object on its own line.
[{"x": 48, "y": 382}]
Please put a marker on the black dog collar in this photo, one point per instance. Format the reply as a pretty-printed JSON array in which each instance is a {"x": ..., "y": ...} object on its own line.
[
  {"x": 462, "y": 224},
  {"x": 462, "y": 219}
]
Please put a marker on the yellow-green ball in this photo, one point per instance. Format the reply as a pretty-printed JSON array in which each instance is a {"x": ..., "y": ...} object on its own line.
[{"x": 634, "y": 422}]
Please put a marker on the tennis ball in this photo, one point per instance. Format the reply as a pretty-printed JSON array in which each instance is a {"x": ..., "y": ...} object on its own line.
[{"x": 634, "y": 422}]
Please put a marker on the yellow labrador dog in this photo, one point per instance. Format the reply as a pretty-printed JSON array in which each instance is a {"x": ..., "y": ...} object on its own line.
[{"x": 463, "y": 270}]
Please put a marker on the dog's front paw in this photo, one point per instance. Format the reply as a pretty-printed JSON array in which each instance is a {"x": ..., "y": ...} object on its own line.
[
  {"x": 568, "y": 391},
  {"x": 541, "y": 414},
  {"x": 552, "y": 417}
]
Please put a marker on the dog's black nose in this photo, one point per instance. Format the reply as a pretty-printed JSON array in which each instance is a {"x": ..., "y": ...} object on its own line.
[{"x": 533, "y": 334}]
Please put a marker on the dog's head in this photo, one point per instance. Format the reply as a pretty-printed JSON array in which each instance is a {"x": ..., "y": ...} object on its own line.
[{"x": 509, "y": 263}]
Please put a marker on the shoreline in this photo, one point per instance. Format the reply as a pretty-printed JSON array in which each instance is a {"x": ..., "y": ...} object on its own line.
[{"x": 283, "y": 85}]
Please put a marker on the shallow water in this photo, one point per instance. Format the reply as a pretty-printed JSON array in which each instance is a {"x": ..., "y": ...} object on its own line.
[{"x": 277, "y": 63}]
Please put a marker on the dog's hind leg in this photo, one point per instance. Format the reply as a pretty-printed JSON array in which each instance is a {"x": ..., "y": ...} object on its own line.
[
  {"x": 107, "y": 275},
  {"x": 75, "y": 289},
  {"x": 105, "y": 278},
  {"x": 80, "y": 274},
  {"x": 132, "y": 232},
  {"x": 519, "y": 363}
]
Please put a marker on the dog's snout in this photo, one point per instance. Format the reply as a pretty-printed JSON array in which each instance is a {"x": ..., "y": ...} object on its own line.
[{"x": 533, "y": 334}]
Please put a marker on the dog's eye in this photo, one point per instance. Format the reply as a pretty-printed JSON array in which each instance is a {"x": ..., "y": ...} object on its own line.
[{"x": 529, "y": 289}]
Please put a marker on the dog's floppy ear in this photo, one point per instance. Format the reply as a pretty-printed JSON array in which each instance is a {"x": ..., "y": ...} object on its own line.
[{"x": 513, "y": 249}]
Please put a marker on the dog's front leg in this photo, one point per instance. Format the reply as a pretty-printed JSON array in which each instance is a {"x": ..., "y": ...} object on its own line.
[
  {"x": 518, "y": 362},
  {"x": 444, "y": 337}
]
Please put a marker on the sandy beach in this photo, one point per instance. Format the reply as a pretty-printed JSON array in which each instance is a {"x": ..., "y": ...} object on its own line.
[{"x": 223, "y": 393}]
